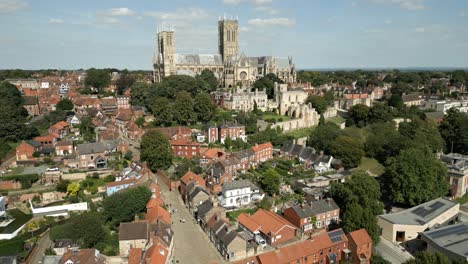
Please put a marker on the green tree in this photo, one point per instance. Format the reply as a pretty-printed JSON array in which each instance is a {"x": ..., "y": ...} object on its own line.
[
  {"x": 265, "y": 84},
  {"x": 318, "y": 102},
  {"x": 210, "y": 79},
  {"x": 271, "y": 181},
  {"x": 124, "y": 81},
  {"x": 415, "y": 176},
  {"x": 454, "y": 130},
  {"x": 183, "y": 108},
  {"x": 359, "y": 115},
  {"x": 380, "y": 113},
  {"x": 329, "y": 97},
  {"x": 64, "y": 104},
  {"x": 86, "y": 228},
  {"x": 359, "y": 202},
  {"x": 422, "y": 133},
  {"x": 87, "y": 129},
  {"x": 203, "y": 107},
  {"x": 383, "y": 141},
  {"x": 349, "y": 150},
  {"x": 139, "y": 94},
  {"x": 122, "y": 206},
  {"x": 97, "y": 78},
  {"x": 162, "y": 111},
  {"x": 323, "y": 136},
  {"x": 425, "y": 257},
  {"x": 174, "y": 84},
  {"x": 140, "y": 121},
  {"x": 73, "y": 189},
  {"x": 156, "y": 150},
  {"x": 265, "y": 204}
]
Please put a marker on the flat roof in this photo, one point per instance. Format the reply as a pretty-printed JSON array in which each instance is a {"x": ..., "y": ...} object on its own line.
[
  {"x": 421, "y": 214},
  {"x": 452, "y": 238}
]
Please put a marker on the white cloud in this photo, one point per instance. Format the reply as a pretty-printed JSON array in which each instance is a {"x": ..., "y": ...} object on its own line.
[
  {"x": 419, "y": 29},
  {"x": 244, "y": 29},
  {"x": 462, "y": 14},
  {"x": 405, "y": 4},
  {"x": 388, "y": 22},
  {"x": 55, "y": 21},
  {"x": 280, "y": 21},
  {"x": 119, "y": 11},
  {"x": 266, "y": 9},
  {"x": 108, "y": 21},
  {"x": 256, "y": 2},
  {"x": 11, "y": 6},
  {"x": 180, "y": 14}
]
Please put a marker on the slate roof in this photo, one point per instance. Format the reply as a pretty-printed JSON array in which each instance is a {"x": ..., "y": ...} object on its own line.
[
  {"x": 195, "y": 192},
  {"x": 452, "y": 238},
  {"x": 244, "y": 183},
  {"x": 204, "y": 208},
  {"x": 243, "y": 154},
  {"x": 307, "y": 153},
  {"x": 90, "y": 148},
  {"x": 131, "y": 231},
  {"x": 287, "y": 147},
  {"x": 318, "y": 207},
  {"x": 297, "y": 149}
]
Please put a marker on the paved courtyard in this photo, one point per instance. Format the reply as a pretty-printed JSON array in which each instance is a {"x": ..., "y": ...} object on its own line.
[
  {"x": 191, "y": 245},
  {"x": 392, "y": 252}
]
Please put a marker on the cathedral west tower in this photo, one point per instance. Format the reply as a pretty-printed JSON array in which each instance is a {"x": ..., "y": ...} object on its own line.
[{"x": 228, "y": 42}]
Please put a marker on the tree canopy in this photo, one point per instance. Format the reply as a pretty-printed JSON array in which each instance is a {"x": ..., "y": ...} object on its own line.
[
  {"x": 323, "y": 136},
  {"x": 349, "y": 150},
  {"x": 122, "y": 206},
  {"x": 156, "y": 150},
  {"x": 359, "y": 202},
  {"x": 414, "y": 176},
  {"x": 454, "y": 130},
  {"x": 97, "y": 78},
  {"x": 203, "y": 107},
  {"x": 183, "y": 108},
  {"x": 64, "y": 104},
  {"x": 318, "y": 102},
  {"x": 271, "y": 181}
]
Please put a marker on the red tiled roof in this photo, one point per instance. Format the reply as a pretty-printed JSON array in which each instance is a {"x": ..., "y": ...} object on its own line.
[
  {"x": 158, "y": 213},
  {"x": 360, "y": 237},
  {"x": 270, "y": 222},
  {"x": 156, "y": 254},
  {"x": 135, "y": 256},
  {"x": 246, "y": 221},
  {"x": 190, "y": 176},
  {"x": 211, "y": 152},
  {"x": 263, "y": 146},
  {"x": 184, "y": 142}
]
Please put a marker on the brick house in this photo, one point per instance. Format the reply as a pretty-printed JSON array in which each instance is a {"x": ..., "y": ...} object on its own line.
[
  {"x": 272, "y": 227},
  {"x": 323, "y": 213},
  {"x": 91, "y": 155},
  {"x": 75, "y": 256},
  {"x": 175, "y": 133},
  {"x": 220, "y": 133},
  {"x": 263, "y": 152},
  {"x": 24, "y": 152},
  {"x": 63, "y": 148},
  {"x": 229, "y": 166},
  {"x": 31, "y": 104},
  {"x": 226, "y": 240},
  {"x": 185, "y": 148},
  {"x": 186, "y": 179},
  {"x": 246, "y": 158},
  {"x": 327, "y": 247},
  {"x": 46, "y": 140},
  {"x": 60, "y": 128},
  {"x": 360, "y": 244},
  {"x": 123, "y": 102},
  {"x": 132, "y": 235},
  {"x": 210, "y": 155}
]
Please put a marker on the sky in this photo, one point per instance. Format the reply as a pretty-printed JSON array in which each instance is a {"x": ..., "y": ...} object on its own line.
[{"x": 73, "y": 34}]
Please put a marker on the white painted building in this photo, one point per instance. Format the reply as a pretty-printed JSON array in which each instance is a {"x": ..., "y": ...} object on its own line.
[{"x": 239, "y": 193}]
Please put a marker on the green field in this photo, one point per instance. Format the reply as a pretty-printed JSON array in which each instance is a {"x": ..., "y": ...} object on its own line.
[{"x": 270, "y": 116}]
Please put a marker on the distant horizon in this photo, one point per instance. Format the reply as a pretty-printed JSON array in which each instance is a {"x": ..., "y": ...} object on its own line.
[
  {"x": 341, "y": 34},
  {"x": 318, "y": 69}
]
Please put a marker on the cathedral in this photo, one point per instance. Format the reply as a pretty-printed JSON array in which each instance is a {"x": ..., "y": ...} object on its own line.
[{"x": 231, "y": 67}]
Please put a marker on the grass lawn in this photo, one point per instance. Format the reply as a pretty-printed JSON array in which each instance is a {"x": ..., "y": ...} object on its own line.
[
  {"x": 274, "y": 116},
  {"x": 11, "y": 247},
  {"x": 232, "y": 215},
  {"x": 462, "y": 200},
  {"x": 372, "y": 165},
  {"x": 20, "y": 219},
  {"x": 336, "y": 119},
  {"x": 300, "y": 133}
]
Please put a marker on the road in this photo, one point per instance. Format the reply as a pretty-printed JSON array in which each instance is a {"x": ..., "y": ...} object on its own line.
[
  {"x": 43, "y": 243},
  {"x": 191, "y": 244},
  {"x": 391, "y": 252}
]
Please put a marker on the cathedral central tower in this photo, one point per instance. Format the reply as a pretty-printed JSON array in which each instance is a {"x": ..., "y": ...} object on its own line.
[{"x": 228, "y": 42}]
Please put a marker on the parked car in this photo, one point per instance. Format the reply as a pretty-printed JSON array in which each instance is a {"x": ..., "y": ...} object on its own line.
[
  {"x": 53, "y": 169},
  {"x": 259, "y": 239}
]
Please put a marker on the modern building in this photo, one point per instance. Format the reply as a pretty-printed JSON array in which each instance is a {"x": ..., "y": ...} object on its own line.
[
  {"x": 410, "y": 223},
  {"x": 113, "y": 187},
  {"x": 451, "y": 241},
  {"x": 239, "y": 193}
]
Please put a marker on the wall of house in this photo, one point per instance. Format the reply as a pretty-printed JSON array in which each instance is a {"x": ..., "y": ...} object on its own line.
[{"x": 125, "y": 245}]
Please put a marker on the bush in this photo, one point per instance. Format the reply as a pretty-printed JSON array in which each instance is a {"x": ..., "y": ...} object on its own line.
[{"x": 26, "y": 180}]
